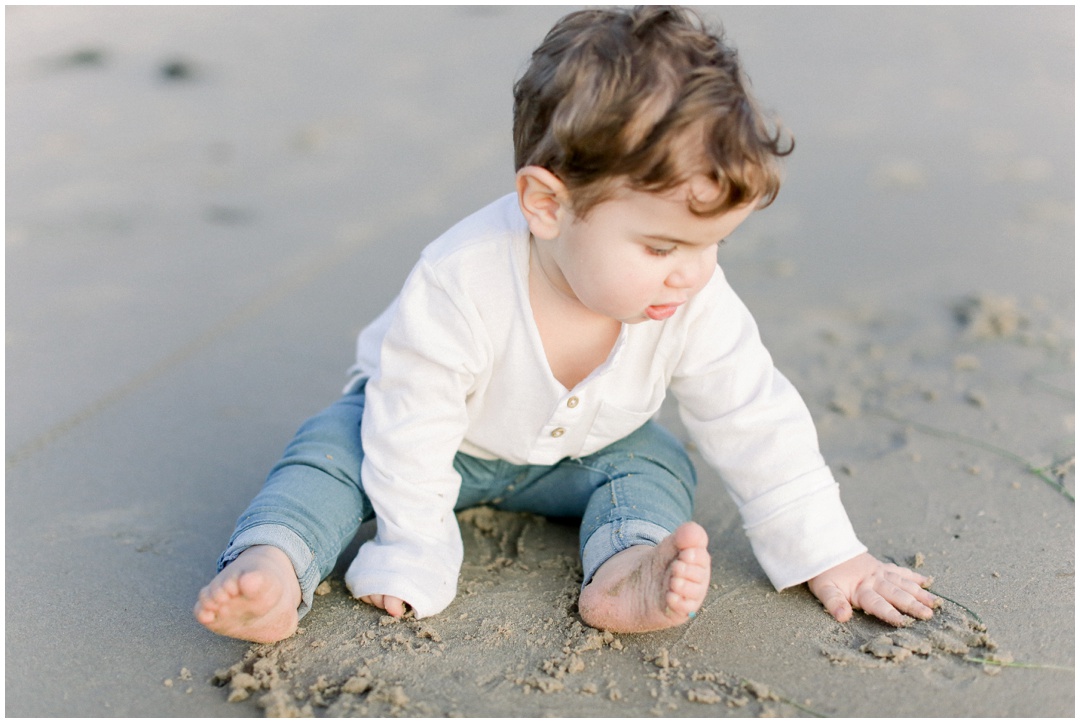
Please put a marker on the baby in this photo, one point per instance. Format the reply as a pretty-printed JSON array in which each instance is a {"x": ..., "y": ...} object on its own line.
[{"x": 523, "y": 360}]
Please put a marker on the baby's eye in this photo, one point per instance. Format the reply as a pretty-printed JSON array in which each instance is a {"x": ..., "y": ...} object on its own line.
[{"x": 661, "y": 252}]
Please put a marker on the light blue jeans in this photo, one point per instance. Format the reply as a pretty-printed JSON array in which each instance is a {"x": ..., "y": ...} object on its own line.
[{"x": 633, "y": 492}]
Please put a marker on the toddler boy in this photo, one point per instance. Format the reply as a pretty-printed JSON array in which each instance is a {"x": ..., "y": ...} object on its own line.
[{"x": 522, "y": 361}]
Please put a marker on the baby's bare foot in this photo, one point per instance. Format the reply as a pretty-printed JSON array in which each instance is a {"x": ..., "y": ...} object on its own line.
[
  {"x": 646, "y": 588},
  {"x": 254, "y": 598}
]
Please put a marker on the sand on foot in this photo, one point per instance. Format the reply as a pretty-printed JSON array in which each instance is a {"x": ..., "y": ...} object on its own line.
[
  {"x": 254, "y": 598},
  {"x": 645, "y": 588}
]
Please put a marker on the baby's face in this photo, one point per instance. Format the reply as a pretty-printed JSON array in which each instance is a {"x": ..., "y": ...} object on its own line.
[{"x": 640, "y": 256}]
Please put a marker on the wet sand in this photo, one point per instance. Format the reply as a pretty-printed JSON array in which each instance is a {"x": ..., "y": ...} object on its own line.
[{"x": 204, "y": 205}]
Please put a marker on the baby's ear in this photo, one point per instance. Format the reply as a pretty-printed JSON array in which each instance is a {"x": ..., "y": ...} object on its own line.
[{"x": 543, "y": 199}]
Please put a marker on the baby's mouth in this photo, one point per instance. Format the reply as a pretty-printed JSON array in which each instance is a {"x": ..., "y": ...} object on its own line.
[{"x": 662, "y": 311}]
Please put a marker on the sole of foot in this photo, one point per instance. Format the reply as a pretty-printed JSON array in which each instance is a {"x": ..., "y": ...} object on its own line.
[
  {"x": 254, "y": 598},
  {"x": 646, "y": 588}
]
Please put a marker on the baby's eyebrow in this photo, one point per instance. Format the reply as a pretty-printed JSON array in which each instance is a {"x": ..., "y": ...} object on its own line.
[{"x": 680, "y": 242}]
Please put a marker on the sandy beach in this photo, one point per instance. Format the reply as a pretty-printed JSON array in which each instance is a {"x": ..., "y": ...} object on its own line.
[{"x": 205, "y": 205}]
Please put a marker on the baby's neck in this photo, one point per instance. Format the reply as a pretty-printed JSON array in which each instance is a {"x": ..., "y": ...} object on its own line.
[{"x": 576, "y": 340}]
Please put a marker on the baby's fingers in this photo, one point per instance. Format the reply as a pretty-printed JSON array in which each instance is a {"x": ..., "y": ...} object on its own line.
[
  {"x": 393, "y": 605},
  {"x": 834, "y": 600},
  {"x": 907, "y": 596},
  {"x": 919, "y": 592},
  {"x": 920, "y": 580},
  {"x": 873, "y": 603}
]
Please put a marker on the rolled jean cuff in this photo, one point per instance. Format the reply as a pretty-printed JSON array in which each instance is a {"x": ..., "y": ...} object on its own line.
[
  {"x": 613, "y": 538},
  {"x": 283, "y": 538}
]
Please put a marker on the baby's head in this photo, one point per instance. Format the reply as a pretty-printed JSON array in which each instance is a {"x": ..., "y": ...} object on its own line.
[{"x": 645, "y": 98}]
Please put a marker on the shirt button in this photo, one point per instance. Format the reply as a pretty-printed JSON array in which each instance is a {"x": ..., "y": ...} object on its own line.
[
  {"x": 558, "y": 432},
  {"x": 572, "y": 402}
]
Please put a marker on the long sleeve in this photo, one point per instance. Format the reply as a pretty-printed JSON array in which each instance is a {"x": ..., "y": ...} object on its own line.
[
  {"x": 414, "y": 421},
  {"x": 752, "y": 426}
]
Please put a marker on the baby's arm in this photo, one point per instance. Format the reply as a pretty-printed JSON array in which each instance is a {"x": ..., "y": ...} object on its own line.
[
  {"x": 880, "y": 589},
  {"x": 415, "y": 417}
]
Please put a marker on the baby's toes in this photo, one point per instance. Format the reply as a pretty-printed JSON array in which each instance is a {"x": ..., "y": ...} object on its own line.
[
  {"x": 689, "y": 592},
  {"x": 205, "y": 608},
  {"x": 691, "y": 572},
  {"x": 220, "y": 595},
  {"x": 687, "y": 602},
  {"x": 696, "y": 592},
  {"x": 693, "y": 555},
  {"x": 204, "y": 598},
  {"x": 679, "y": 606}
]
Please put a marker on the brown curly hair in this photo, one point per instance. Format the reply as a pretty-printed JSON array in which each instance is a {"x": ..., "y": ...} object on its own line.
[{"x": 648, "y": 96}]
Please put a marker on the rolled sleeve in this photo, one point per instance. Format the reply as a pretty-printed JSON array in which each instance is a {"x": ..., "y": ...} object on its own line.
[{"x": 800, "y": 529}]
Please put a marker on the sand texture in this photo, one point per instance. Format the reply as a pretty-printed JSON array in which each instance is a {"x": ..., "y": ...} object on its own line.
[{"x": 204, "y": 206}]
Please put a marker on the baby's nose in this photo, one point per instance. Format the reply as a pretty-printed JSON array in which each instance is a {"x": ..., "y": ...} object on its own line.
[{"x": 685, "y": 277}]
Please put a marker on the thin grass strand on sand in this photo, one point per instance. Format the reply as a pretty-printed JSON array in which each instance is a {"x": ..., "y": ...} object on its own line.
[
  {"x": 1040, "y": 472},
  {"x": 1011, "y": 664},
  {"x": 969, "y": 611},
  {"x": 747, "y": 684}
]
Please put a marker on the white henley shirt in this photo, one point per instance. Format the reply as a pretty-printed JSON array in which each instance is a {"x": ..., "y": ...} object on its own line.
[{"x": 456, "y": 364}]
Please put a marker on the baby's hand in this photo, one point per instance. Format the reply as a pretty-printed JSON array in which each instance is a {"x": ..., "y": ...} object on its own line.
[
  {"x": 879, "y": 589},
  {"x": 395, "y": 607}
]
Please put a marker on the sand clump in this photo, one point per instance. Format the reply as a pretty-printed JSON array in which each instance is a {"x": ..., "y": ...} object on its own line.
[
  {"x": 986, "y": 316},
  {"x": 989, "y": 316},
  {"x": 949, "y": 639}
]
